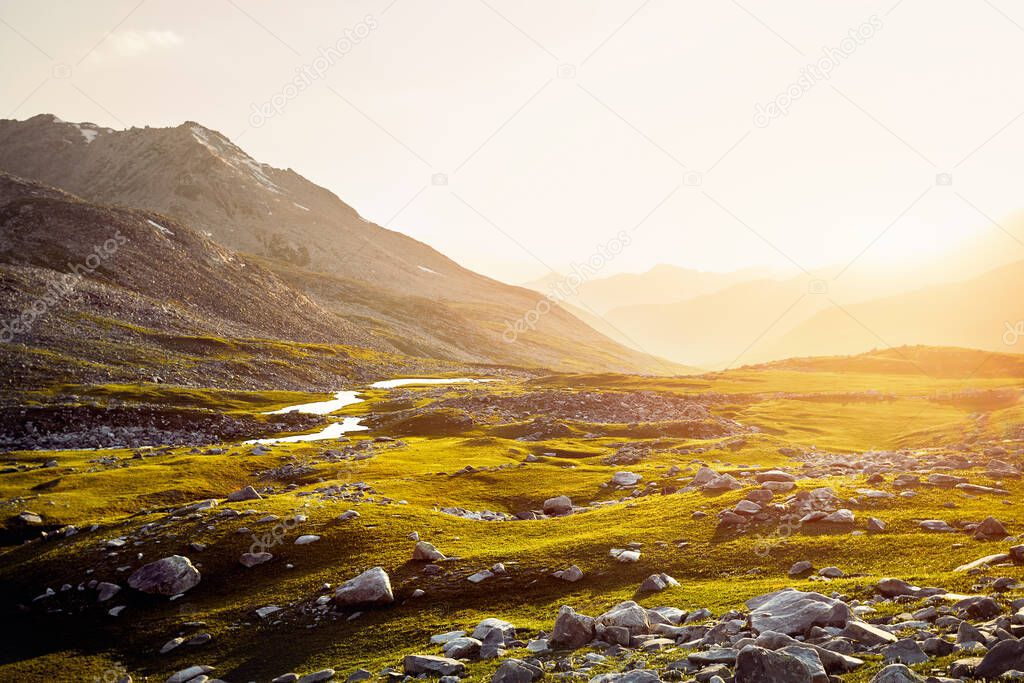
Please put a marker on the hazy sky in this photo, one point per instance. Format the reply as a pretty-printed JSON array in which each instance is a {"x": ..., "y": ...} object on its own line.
[{"x": 559, "y": 123}]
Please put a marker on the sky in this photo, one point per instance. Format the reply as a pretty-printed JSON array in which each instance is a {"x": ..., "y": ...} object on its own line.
[{"x": 520, "y": 137}]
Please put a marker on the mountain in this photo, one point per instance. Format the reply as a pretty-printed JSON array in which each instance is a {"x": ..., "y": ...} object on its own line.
[
  {"x": 113, "y": 294},
  {"x": 756, "y": 320},
  {"x": 399, "y": 291},
  {"x": 985, "y": 312},
  {"x": 662, "y": 284}
]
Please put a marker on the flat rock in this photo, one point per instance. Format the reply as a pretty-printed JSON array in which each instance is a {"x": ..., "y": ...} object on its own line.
[
  {"x": 793, "y": 612},
  {"x": 253, "y": 559},
  {"x": 431, "y": 665}
]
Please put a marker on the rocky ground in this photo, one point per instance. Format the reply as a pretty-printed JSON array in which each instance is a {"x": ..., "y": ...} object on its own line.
[
  {"x": 477, "y": 554},
  {"x": 96, "y": 426}
]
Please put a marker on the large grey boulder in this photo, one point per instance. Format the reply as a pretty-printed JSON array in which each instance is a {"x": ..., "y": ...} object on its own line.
[
  {"x": 792, "y": 612},
  {"x": 168, "y": 576},
  {"x": 462, "y": 648},
  {"x": 990, "y": 529},
  {"x": 811, "y": 660},
  {"x": 485, "y": 628},
  {"x": 906, "y": 651},
  {"x": 757, "y": 665},
  {"x": 657, "y": 583},
  {"x": 867, "y": 634},
  {"x": 559, "y": 505},
  {"x": 516, "y": 671},
  {"x": 372, "y": 587},
  {"x": 897, "y": 673},
  {"x": 572, "y": 630},
  {"x": 1004, "y": 656},
  {"x": 426, "y": 552},
  {"x": 627, "y": 615},
  {"x": 833, "y": 661},
  {"x": 626, "y": 479},
  {"x": 431, "y": 665},
  {"x": 247, "y": 493}
]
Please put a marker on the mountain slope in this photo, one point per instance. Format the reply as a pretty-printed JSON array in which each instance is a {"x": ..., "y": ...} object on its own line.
[
  {"x": 975, "y": 314},
  {"x": 662, "y": 284},
  {"x": 377, "y": 278}
]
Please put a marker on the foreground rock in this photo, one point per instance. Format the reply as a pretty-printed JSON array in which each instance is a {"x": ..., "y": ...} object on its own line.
[
  {"x": 426, "y": 552},
  {"x": 170, "y": 576},
  {"x": 793, "y": 612},
  {"x": 431, "y": 665},
  {"x": 758, "y": 665},
  {"x": 372, "y": 587}
]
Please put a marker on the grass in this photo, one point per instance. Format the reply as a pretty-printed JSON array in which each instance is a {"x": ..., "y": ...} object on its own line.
[{"x": 716, "y": 570}]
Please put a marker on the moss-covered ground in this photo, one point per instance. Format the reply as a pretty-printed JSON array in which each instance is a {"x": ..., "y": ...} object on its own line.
[{"x": 834, "y": 408}]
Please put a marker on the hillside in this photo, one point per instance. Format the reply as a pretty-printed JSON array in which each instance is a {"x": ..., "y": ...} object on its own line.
[
  {"x": 92, "y": 292},
  {"x": 974, "y": 314},
  {"x": 937, "y": 362},
  {"x": 312, "y": 239}
]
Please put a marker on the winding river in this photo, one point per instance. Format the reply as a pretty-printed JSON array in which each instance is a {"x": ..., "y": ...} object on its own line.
[{"x": 347, "y": 398}]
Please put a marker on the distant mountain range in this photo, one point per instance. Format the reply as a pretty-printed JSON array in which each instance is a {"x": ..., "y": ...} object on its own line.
[
  {"x": 714, "y": 320},
  {"x": 337, "y": 275}
]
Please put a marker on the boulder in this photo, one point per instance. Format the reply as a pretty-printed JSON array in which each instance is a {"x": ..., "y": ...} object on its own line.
[
  {"x": 431, "y": 665},
  {"x": 1006, "y": 655},
  {"x": 462, "y": 648},
  {"x": 841, "y": 516},
  {"x": 983, "y": 562},
  {"x": 906, "y": 651},
  {"x": 657, "y": 583},
  {"x": 168, "y": 576},
  {"x": 426, "y": 552},
  {"x": 801, "y": 568},
  {"x": 757, "y": 665},
  {"x": 572, "y": 574},
  {"x": 723, "y": 482},
  {"x": 190, "y": 673},
  {"x": 248, "y": 493},
  {"x": 107, "y": 590},
  {"x": 627, "y": 615},
  {"x": 897, "y": 673},
  {"x": 626, "y": 479},
  {"x": 559, "y": 505},
  {"x": 793, "y": 612},
  {"x": 491, "y": 625},
  {"x": 516, "y": 671},
  {"x": 572, "y": 630},
  {"x": 867, "y": 634},
  {"x": 252, "y": 559},
  {"x": 372, "y": 587},
  {"x": 990, "y": 529},
  {"x": 774, "y": 475}
]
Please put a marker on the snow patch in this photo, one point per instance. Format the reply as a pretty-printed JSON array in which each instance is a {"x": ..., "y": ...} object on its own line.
[
  {"x": 428, "y": 270},
  {"x": 160, "y": 227},
  {"x": 235, "y": 158},
  {"x": 304, "y": 208}
]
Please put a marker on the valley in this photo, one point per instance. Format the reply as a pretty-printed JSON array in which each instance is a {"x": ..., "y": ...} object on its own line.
[{"x": 474, "y": 498}]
